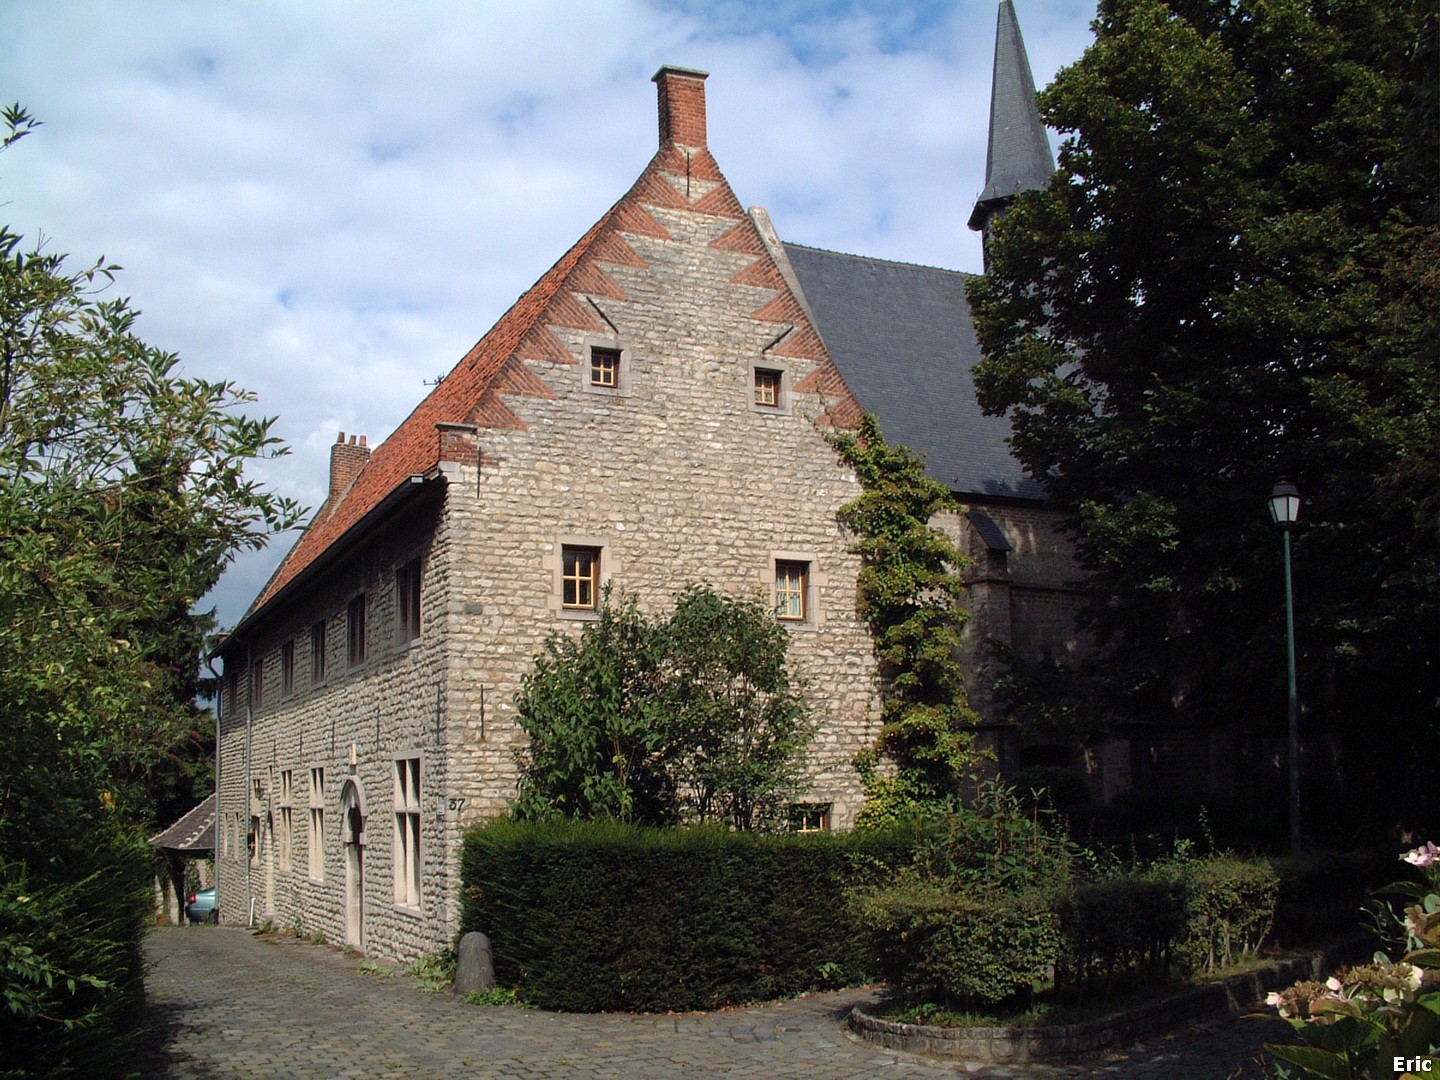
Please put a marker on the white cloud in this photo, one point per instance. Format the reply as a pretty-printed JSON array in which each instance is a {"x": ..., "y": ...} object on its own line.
[{"x": 329, "y": 202}]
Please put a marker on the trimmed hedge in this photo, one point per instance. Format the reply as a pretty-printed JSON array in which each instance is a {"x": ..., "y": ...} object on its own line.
[
  {"x": 599, "y": 916},
  {"x": 1118, "y": 927},
  {"x": 980, "y": 951},
  {"x": 1229, "y": 910}
]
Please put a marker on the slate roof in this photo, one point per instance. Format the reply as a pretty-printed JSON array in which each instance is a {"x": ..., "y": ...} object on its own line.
[
  {"x": 1018, "y": 156},
  {"x": 195, "y": 832},
  {"x": 905, "y": 344}
]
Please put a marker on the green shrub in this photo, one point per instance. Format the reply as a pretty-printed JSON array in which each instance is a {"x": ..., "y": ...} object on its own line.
[
  {"x": 1229, "y": 910},
  {"x": 969, "y": 951},
  {"x": 596, "y": 916},
  {"x": 1118, "y": 928},
  {"x": 70, "y": 964}
]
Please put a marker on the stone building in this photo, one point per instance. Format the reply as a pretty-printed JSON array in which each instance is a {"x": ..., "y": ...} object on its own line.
[{"x": 652, "y": 413}]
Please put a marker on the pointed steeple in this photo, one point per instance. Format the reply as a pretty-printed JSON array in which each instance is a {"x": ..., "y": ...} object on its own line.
[{"x": 1018, "y": 158}]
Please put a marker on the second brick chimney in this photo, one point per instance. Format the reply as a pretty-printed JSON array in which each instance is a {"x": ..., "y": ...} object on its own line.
[
  {"x": 682, "y": 106},
  {"x": 346, "y": 461}
]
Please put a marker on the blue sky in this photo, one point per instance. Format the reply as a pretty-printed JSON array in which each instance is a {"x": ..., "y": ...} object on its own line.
[{"x": 329, "y": 201}]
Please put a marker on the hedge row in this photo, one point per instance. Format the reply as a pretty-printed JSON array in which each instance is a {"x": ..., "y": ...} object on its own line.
[
  {"x": 987, "y": 950},
  {"x": 590, "y": 917}
]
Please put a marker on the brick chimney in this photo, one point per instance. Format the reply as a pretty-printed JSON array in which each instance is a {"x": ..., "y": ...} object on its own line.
[
  {"x": 346, "y": 461},
  {"x": 682, "y": 106}
]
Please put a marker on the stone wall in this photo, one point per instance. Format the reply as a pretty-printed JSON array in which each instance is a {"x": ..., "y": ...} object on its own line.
[{"x": 389, "y": 705}]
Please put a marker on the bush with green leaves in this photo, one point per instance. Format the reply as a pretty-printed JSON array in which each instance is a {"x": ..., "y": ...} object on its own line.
[
  {"x": 598, "y": 916},
  {"x": 693, "y": 717},
  {"x": 959, "y": 949},
  {"x": 123, "y": 495},
  {"x": 1367, "y": 1020},
  {"x": 970, "y": 921},
  {"x": 1118, "y": 930},
  {"x": 1229, "y": 910}
]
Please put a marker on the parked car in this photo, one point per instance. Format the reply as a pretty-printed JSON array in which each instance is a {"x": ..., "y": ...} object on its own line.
[{"x": 201, "y": 907}]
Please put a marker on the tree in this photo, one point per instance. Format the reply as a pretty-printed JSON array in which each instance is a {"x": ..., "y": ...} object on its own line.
[
  {"x": 1232, "y": 279},
  {"x": 122, "y": 496},
  {"x": 690, "y": 718},
  {"x": 736, "y": 722},
  {"x": 591, "y": 707},
  {"x": 910, "y": 592}
]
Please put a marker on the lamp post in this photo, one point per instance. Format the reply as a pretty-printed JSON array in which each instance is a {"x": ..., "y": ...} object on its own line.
[{"x": 1284, "y": 509}]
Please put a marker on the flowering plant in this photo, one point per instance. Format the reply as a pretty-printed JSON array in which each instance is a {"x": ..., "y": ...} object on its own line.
[{"x": 1381, "y": 1018}]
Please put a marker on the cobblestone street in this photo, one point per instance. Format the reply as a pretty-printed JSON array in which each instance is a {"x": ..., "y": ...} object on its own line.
[{"x": 231, "y": 1004}]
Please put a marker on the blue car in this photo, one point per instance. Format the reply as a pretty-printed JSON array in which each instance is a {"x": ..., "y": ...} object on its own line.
[{"x": 201, "y": 907}]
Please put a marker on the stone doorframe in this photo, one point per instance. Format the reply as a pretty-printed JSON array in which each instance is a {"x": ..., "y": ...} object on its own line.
[{"x": 352, "y": 840}]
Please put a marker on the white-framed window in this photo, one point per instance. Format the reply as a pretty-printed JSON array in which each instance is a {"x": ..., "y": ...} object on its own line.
[
  {"x": 317, "y": 824},
  {"x": 355, "y": 631},
  {"x": 317, "y": 653},
  {"x": 407, "y": 602},
  {"x": 287, "y": 816},
  {"x": 407, "y": 832}
]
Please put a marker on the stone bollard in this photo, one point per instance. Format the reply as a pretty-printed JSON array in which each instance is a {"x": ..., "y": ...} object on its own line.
[{"x": 475, "y": 969}]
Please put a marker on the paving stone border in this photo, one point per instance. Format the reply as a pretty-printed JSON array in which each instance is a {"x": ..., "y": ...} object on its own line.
[{"x": 1087, "y": 1039}]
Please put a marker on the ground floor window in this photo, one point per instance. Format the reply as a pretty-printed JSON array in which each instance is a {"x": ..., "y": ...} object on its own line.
[
  {"x": 407, "y": 831},
  {"x": 317, "y": 824}
]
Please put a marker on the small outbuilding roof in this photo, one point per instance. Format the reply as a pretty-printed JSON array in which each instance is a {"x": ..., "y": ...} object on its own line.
[{"x": 192, "y": 834}]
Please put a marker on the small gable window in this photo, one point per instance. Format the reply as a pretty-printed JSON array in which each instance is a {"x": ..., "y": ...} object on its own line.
[
  {"x": 767, "y": 387},
  {"x": 605, "y": 368}
]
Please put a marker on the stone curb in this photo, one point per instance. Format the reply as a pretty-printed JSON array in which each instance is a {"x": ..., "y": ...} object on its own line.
[{"x": 1071, "y": 1043}]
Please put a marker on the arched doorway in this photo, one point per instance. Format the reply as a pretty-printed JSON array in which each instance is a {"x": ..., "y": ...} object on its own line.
[{"x": 352, "y": 839}]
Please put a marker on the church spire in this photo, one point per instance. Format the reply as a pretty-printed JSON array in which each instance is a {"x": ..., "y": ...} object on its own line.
[{"x": 1018, "y": 158}]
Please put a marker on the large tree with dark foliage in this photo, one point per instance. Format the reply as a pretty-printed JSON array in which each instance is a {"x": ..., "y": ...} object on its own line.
[
  {"x": 1235, "y": 277},
  {"x": 123, "y": 495}
]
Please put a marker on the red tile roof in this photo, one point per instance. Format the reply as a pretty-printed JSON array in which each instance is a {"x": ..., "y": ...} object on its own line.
[{"x": 469, "y": 393}]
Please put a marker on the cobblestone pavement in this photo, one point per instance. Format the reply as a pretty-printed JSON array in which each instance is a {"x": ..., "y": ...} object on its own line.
[{"x": 227, "y": 1003}]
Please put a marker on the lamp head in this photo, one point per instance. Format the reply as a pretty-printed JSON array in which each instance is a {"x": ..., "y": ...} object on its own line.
[{"x": 1285, "y": 504}]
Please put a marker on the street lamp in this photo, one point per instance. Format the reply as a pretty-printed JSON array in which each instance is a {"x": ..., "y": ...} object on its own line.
[{"x": 1284, "y": 509}]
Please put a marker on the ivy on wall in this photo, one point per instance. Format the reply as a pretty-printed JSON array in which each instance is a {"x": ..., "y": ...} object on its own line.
[{"x": 910, "y": 591}]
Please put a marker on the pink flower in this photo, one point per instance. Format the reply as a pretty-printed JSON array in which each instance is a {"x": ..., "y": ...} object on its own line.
[{"x": 1424, "y": 856}]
